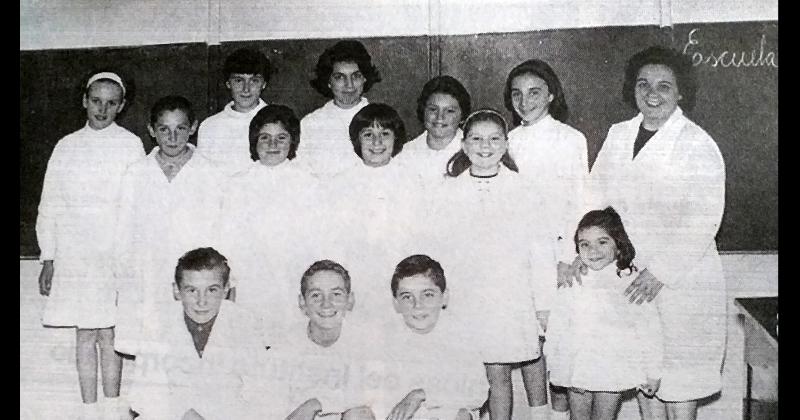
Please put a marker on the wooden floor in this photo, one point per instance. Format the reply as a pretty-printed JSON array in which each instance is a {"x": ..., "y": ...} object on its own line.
[{"x": 49, "y": 382}]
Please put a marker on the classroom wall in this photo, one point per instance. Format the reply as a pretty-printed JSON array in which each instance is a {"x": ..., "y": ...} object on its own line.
[{"x": 58, "y": 24}]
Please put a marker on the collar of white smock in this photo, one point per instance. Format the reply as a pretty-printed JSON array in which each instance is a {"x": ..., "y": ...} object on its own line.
[
  {"x": 546, "y": 122},
  {"x": 676, "y": 115},
  {"x": 230, "y": 112},
  {"x": 105, "y": 132},
  {"x": 330, "y": 106}
]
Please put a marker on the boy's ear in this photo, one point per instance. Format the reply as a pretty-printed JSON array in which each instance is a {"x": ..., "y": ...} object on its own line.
[
  {"x": 351, "y": 301},
  {"x": 445, "y": 299},
  {"x": 176, "y": 291},
  {"x": 301, "y": 302},
  {"x": 151, "y": 130},
  {"x": 194, "y": 127}
]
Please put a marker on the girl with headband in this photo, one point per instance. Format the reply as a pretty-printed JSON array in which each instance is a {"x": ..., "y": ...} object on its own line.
[{"x": 78, "y": 202}]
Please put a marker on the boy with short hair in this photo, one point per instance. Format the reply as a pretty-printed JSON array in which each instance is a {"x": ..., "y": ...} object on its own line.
[
  {"x": 224, "y": 136},
  {"x": 322, "y": 358},
  {"x": 202, "y": 373}
]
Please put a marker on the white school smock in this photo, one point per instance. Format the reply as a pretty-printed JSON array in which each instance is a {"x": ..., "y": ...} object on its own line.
[
  {"x": 597, "y": 340},
  {"x": 444, "y": 363},
  {"x": 427, "y": 164},
  {"x": 75, "y": 219},
  {"x": 345, "y": 375},
  {"x": 325, "y": 148},
  {"x": 170, "y": 378},
  {"x": 485, "y": 233},
  {"x": 370, "y": 228},
  {"x": 267, "y": 237},
  {"x": 225, "y": 137},
  {"x": 671, "y": 198},
  {"x": 553, "y": 155},
  {"x": 158, "y": 222}
]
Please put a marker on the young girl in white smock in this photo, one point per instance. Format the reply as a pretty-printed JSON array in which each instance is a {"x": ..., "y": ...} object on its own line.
[
  {"x": 78, "y": 201},
  {"x": 488, "y": 218},
  {"x": 599, "y": 345}
]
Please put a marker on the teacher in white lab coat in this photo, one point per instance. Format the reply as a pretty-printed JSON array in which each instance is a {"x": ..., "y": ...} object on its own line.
[
  {"x": 666, "y": 177},
  {"x": 344, "y": 73}
]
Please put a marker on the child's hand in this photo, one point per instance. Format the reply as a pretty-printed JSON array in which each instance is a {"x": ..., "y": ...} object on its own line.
[
  {"x": 650, "y": 388},
  {"x": 358, "y": 413},
  {"x": 567, "y": 272},
  {"x": 645, "y": 287},
  {"x": 463, "y": 414},
  {"x": 46, "y": 278},
  {"x": 405, "y": 409}
]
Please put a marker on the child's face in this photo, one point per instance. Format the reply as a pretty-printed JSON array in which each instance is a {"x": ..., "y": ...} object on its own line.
[
  {"x": 273, "y": 144},
  {"x": 377, "y": 144},
  {"x": 442, "y": 115},
  {"x": 201, "y": 293},
  {"x": 596, "y": 247},
  {"x": 172, "y": 131},
  {"x": 419, "y": 300},
  {"x": 346, "y": 83},
  {"x": 531, "y": 97},
  {"x": 485, "y": 143},
  {"x": 103, "y": 101},
  {"x": 326, "y": 301},
  {"x": 245, "y": 90}
]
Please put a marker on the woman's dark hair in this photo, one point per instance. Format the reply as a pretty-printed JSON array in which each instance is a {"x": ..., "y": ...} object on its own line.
[
  {"x": 681, "y": 66},
  {"x": 384, "y": 116},
  {"x": 558, "y": 106},
  {"x": 247, "y": 61},
  {"x": 419, "y": 264},
  {"x": 344, "y": 51},
  {"x": 171, "y": 103},
  {"x": 608, "y": 220},
  {"x": 447, "y": 85},
  {"x": 274, "y": 113},
  {"x": 459, "y": 162}
]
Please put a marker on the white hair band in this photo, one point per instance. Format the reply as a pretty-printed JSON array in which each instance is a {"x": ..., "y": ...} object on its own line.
[{"x": 107, "y": 75}]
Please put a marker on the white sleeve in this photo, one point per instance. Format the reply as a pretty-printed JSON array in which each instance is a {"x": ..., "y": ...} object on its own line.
[
  {"x": 691, "y": 216},
  {"x": 651, "y": 340},
  {"x": 51, "y": 205},
  {"x": 575, "y": 191}
]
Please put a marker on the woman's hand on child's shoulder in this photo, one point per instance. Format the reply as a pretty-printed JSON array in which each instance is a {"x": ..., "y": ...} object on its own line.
[
  {"x": 644, "y": 287},
  {"x": 569, "y": 272}
]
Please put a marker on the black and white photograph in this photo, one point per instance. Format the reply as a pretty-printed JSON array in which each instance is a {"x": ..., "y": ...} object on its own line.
[{"x": 399, "y": 210}]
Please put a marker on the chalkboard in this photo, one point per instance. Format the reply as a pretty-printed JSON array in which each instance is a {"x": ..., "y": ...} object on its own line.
[{"x": 737, "y": 103}]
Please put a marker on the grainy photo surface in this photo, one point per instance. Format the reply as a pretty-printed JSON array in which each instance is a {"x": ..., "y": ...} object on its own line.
[{"x": 424, "y": 209}]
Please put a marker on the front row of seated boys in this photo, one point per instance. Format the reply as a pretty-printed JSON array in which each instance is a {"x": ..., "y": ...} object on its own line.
[{"x": 213, "y": 361}]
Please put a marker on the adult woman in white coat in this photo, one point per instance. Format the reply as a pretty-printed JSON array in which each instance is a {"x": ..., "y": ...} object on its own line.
[
  {"x": 666, "y": 177},
  {"x": 441, "y": 106},
  {"x": 344, "y": 73}
]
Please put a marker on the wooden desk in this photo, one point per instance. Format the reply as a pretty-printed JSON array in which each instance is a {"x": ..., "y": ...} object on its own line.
[{"x": 758, "y": 316}]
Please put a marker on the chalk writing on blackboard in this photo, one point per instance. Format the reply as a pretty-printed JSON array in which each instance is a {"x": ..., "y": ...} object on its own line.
[{"x": 757, "y": 57}]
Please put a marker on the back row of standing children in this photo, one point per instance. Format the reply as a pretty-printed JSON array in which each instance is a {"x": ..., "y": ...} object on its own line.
[{"x": 344, "y": 185}]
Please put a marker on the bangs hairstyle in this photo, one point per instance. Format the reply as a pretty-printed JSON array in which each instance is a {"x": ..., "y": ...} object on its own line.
[
  {"x": 419, "y": 264},
  {"x": 447, "y": 85},
  {"x": 279, "y": 114},
  {"x": 384, "y": 116},
  {"x": 202, "y": 259},
  {"x": 681, "y": 66},
  {"x": 558, "y": 106},
  {"x": 460, "y": 162},
  {"x": 171, "y": 103},
  {"x": 608, "y": 220},
  {"x": 344, "y": 51},
  {"x": 247, "y": 61},
  {"x": 324, "y": 265}
]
